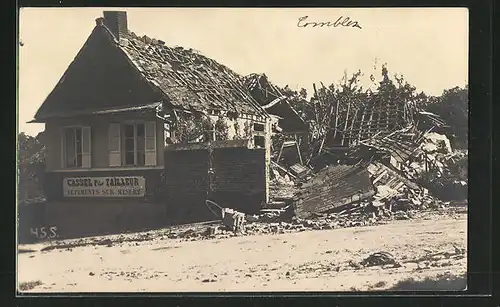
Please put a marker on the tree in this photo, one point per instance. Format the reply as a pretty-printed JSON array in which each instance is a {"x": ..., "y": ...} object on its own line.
[
  {"x": 31, "y": 164},
  {"x": 453, "y": 107}
]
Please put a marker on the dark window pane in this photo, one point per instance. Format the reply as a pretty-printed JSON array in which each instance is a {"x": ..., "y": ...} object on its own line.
[
  {"x": 70, "y": 148},
  {"x": 78, "y": 140},
  {"x": 78, "y": 134},
  {"x": 129, "y": 158},
  {"x": 129, "y": 131},
  {"x": 259, "y": 141},
  {"x": 141, "y": 158},
  {"x": 78, "y": 144},
  {"x": 129, "y": 144},
  {"x": 258, "y": 127},
  {"x": 79, "y": 160},
  {"x": 70, "y": 135},
  {"x": 140, "y": 129},
  {"x": 140, "y": 142}
]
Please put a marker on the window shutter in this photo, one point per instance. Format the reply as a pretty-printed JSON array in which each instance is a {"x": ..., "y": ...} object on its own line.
[
  {"x": 150, "y": 146},
  {"x": 63, "y": 148},
  {"x": 115, "y": 158},
  {"x": 86, "y": 148}
]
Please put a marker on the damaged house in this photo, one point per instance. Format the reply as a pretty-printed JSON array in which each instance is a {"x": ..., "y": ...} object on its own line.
[
  {"x": 131, "y": 111},
  {"x": 365, "y": 151},
  {"x": 290, "y": 131}
]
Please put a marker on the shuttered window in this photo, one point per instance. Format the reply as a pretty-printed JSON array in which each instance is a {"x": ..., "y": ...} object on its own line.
[
  {"x": 132, "y": 144},
  {"x": 115, "y": 157},
  {"x": 150, "y": 146},
  {"x": 86, "y": 148},
  {"x": 76, "y": 147}
]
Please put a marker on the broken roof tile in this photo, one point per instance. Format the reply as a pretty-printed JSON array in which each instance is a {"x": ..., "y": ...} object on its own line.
[{"x": 189, "y": 69}]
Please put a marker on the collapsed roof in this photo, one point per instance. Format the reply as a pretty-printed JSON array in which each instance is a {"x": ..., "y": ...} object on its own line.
[
  {"x": 380, "y": 123},
  {"x": 189, "y": 79},
  {"x": 354, "y": 122},
  {"x": 275, "y": 102}
]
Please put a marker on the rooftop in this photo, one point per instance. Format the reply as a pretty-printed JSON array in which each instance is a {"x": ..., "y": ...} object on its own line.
[{"x": 117, "y": 69}]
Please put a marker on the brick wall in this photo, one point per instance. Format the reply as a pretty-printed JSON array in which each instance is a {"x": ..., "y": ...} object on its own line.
[
  {"x": 186, "y": 184},
  {"x": 237, "y": 181},
  {"x": 239, "y": 178}
]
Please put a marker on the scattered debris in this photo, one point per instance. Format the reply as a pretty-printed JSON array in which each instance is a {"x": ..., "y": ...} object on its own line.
[
  {"x": 282, "y": 175},
  {"x": 26, "y": 286},
  {"x": 355, "y": 265},
  {"x": 432, "y": 257},
  {"x": 25, "y": 250},
  {"x": 380, "y": 284},
  {"x": 299, "y": 170},
  {"x": 379, "y": 259},
  {"x": 233, "y": 220},
  {"x": 333, "y": 187}
]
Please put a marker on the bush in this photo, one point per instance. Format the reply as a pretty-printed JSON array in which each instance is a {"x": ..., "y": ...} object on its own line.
[{"x": 31, "y": 166}]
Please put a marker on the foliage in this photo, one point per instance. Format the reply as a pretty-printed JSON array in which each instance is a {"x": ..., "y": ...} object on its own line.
[
  {"x": 445, "y": 181},
  {"x": 221, "y": 129},
  {"x": 189, "y": 127},
  {"x": 245, "y": 134},
  {"x": 237, "y": 132},
  {"x": 31, "y": 164},
  {"x": 453, "y": 107},
  {"x": 460, "y": 168},
  {"x": 248, "y": 128}
]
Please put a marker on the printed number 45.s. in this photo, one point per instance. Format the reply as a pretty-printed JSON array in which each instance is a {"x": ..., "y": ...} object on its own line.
[{"x": 44, "y": 233}]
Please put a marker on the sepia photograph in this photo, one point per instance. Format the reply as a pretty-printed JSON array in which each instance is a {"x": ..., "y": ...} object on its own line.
[{"x": 242, "y": 150}]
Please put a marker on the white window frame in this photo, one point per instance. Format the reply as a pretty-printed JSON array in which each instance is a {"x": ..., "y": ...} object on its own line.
[
  {"x": 150, "y": 154},
  {"x": 86, "y": 156},
  {"x": 124, "y": 154}
]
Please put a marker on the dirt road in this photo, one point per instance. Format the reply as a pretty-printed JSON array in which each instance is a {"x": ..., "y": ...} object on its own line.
[{"x": 431, "y": 246}]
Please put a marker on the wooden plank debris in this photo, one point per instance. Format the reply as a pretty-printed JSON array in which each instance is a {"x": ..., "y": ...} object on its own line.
[{"x": 333, "y": 187}]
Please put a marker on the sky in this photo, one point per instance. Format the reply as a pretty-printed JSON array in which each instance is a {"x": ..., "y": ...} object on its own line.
[{"x": 428, "y": 46}]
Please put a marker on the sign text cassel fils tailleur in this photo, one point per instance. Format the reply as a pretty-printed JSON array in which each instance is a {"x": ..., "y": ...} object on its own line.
[{"x": 129, "y": 186}]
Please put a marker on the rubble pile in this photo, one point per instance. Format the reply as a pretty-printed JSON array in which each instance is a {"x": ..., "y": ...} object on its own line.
[
  {"x": 442, "y": 170},
  {"x": 395, "y": 192},
  {"x": 390, "y": 172},
  {"x": 333, "y": 187},
  {"x": 375, "y": 155},
  {"x": 357, "y": 216},
  {"x": 342, "y": 200}
]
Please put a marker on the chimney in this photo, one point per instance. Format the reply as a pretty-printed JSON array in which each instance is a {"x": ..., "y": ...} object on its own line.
[
  {"x": 116, "y": 22},
  {"x": 99, "y": 21}
]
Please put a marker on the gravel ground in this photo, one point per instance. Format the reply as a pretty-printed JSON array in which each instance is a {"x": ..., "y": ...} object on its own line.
[{"x": 427, "y": 251}]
